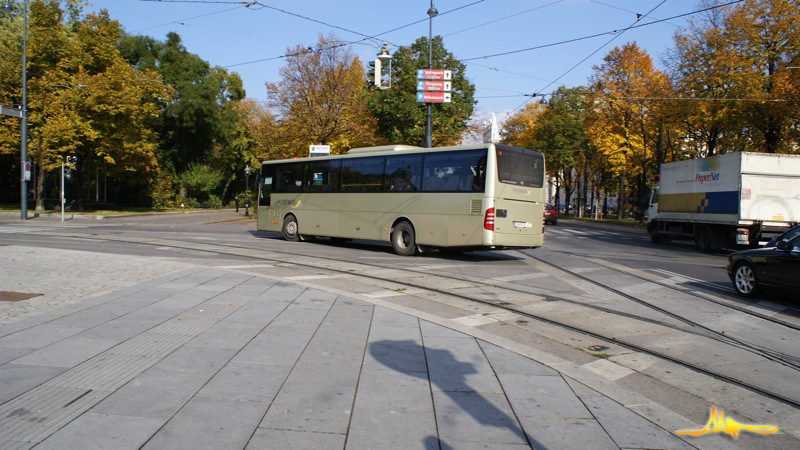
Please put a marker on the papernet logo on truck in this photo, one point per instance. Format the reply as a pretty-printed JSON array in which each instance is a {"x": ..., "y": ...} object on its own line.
[
  {"x": 726, "y": 200},
  {"x": 703, "y": 178}
]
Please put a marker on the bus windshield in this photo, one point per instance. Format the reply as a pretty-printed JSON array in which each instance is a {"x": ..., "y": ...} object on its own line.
[{"x": 520, "y": 167}]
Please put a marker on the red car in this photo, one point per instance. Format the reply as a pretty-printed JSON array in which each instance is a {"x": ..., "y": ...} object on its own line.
[{"x": 550, "y": 214}]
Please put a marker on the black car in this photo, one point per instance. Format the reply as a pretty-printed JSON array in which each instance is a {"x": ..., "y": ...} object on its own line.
[
  {"x": 770, "y": 267},
  {"x": 785, "y": 236}
]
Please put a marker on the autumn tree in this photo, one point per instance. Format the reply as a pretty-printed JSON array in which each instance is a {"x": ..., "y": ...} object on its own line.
[
  {"x": 321, "y": 99},
  {"x": 401, "y": 120},
  {"x": 701, "y": 66},
  {"x": 626, "y": 115},
  {"x": 84, "y": 99},
  {"x": 765, "y": 37}
]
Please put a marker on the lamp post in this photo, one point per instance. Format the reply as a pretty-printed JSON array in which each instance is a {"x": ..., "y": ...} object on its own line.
[
  {"x": 246, "y": 190},
  {"x": 24, "y": 139},
  {"x": 432, "y": 12}
]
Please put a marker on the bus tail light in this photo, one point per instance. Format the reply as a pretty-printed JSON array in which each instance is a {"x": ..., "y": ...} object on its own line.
[{"x": 488, "y": 220}]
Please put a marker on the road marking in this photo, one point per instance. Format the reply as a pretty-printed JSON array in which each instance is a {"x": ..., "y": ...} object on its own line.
[
  {"x": 247, "y": 266},
  {"x": 393, "y": 293},
  {"x": 442, "y": 266},
  {"x": 319, "y": 277},
  {"x": 677, "y": 278},
  {"x": 608, "y": 369},
  {"x": 474, "y": 320},
  {"x": 522, "y": 276}
]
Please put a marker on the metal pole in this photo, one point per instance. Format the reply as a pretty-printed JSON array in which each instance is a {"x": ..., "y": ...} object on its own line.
[
  {"x": 247, "y": 191},
  {"x": 24, "y": 156},
  {"x": 431, "y": 13},
  {"x": 62, "y": 191}
]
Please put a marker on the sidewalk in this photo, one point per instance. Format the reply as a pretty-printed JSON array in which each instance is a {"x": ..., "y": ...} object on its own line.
[{"x": 166, "y": 355}]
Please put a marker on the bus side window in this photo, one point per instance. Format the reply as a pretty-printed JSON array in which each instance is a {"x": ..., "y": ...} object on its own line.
[
  {"x": 322, "y": 176},
  {"x": 363, "y": 174},
  {"x": 455, "y": 171},
  {"x": 403, "y": 173}
]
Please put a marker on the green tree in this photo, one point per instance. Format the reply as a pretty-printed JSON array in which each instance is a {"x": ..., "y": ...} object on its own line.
[
  {"x": 401, "y": 119},
  {"x": 203, "y": 124}
]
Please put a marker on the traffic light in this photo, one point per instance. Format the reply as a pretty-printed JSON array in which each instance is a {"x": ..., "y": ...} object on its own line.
[
  {"x": 374, "y": 73},
  {"x": 384, "y": 55},
  {"x": 72, "y": 163}
]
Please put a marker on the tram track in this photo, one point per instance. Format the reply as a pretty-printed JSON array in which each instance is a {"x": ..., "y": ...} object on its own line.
[{"x": 330, "y": 264}]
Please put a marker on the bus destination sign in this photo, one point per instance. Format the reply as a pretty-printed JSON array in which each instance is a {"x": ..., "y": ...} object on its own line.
[{"x": 434, "y": 74}]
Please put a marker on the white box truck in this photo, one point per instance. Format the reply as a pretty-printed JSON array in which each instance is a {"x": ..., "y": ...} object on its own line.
[{"x": 726, "y": 200}]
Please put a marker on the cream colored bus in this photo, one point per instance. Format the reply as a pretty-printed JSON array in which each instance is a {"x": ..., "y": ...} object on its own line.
[{"x": 460, "y": 198}]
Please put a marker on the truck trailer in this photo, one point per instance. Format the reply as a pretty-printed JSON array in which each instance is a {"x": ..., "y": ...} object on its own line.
[{"x": 726, "y": 201}]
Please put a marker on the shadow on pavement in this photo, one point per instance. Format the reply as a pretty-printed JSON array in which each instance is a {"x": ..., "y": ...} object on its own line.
[{"x": 453, "y": 383}]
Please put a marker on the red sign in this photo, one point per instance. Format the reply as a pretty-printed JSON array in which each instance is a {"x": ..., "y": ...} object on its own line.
[
  {"x": 434, "y": 97},
  {"x": 445, "y": 86},
  {"x": 434, "y": 74}
]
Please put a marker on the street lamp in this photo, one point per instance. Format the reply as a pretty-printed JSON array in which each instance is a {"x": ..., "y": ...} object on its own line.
[
  {"x": 246, "y": 190},
  {"x": 432, "y": 12},
  {"x": 7, "y": 7}
]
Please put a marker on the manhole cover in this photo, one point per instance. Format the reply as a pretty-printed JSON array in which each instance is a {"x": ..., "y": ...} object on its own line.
[{"x": 8, "y": 296}]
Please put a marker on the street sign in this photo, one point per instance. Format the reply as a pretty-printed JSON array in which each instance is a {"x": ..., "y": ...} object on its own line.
[
  {"x": 319, "y": 150},
  {"x": 434, "y": 97},
  {"x": 440, "y": 86},
  {"x": 13, "y": 112},
  {"x": 434, "y": 74}
]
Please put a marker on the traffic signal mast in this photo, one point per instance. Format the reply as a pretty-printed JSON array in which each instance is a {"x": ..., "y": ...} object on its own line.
[{"x": 381, "y": 68}]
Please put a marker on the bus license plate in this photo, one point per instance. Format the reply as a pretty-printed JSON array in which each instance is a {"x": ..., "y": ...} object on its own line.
[{"x": 521, "y": 224}]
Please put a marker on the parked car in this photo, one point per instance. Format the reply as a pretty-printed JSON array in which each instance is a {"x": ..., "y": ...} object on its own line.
[
  {"x": 550, "y": 214},
  {"x": 785, "y": 236},
  {"x": 751, "y": 271}
]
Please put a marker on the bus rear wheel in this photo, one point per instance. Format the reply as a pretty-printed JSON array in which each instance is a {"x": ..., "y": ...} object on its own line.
[
  {"x": 289, "y": 229},
  {"x": 404, "y": 240}
]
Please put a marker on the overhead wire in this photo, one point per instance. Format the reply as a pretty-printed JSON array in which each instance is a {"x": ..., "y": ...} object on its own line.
[
  {"x": 189, "y": 18},
  {"x": 351, "y": 42},
  {"x": 504, "y": 18},
  {"x": 617, "y": 34}
]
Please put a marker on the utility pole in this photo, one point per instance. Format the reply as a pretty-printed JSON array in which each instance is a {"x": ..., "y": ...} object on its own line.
[
  {"x": 432, "y": 12},
  {"x": 24, "y": 139}
]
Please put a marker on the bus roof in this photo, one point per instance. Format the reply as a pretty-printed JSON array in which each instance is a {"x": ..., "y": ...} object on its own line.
[{"x": 386, "y": 150}]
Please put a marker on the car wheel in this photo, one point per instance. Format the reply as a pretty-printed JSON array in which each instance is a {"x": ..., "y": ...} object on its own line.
[
  {"x": 745, "y": 280},
  {"x": 289, "y": 229},
  {"x": 404, "y": 240}
]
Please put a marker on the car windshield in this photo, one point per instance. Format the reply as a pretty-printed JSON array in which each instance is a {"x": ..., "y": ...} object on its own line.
[
  {"x": 549, "y": 207},
  {"x": 791, "y": 234}
]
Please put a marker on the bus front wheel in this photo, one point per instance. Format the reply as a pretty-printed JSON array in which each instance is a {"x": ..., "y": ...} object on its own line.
[
  {"x": 403, "y": 239},
  {"x": 289, "y": 229}
]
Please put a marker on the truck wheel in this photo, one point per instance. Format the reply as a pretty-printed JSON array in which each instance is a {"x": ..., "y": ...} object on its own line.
[
  {"x": 745, "y": 281},
  {"x": 403, "y": 239},
  {"x": 289, "y": 229},
  {"x": 702, "y": 239},
  {"x": 655, "y": 237}
]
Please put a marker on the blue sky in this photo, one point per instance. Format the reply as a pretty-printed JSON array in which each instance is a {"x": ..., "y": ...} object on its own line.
[{"x": 228, "y": 34}]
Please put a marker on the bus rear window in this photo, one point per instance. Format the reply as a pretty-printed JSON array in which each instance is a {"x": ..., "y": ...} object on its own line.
[{"x": 520, "y": 167}]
